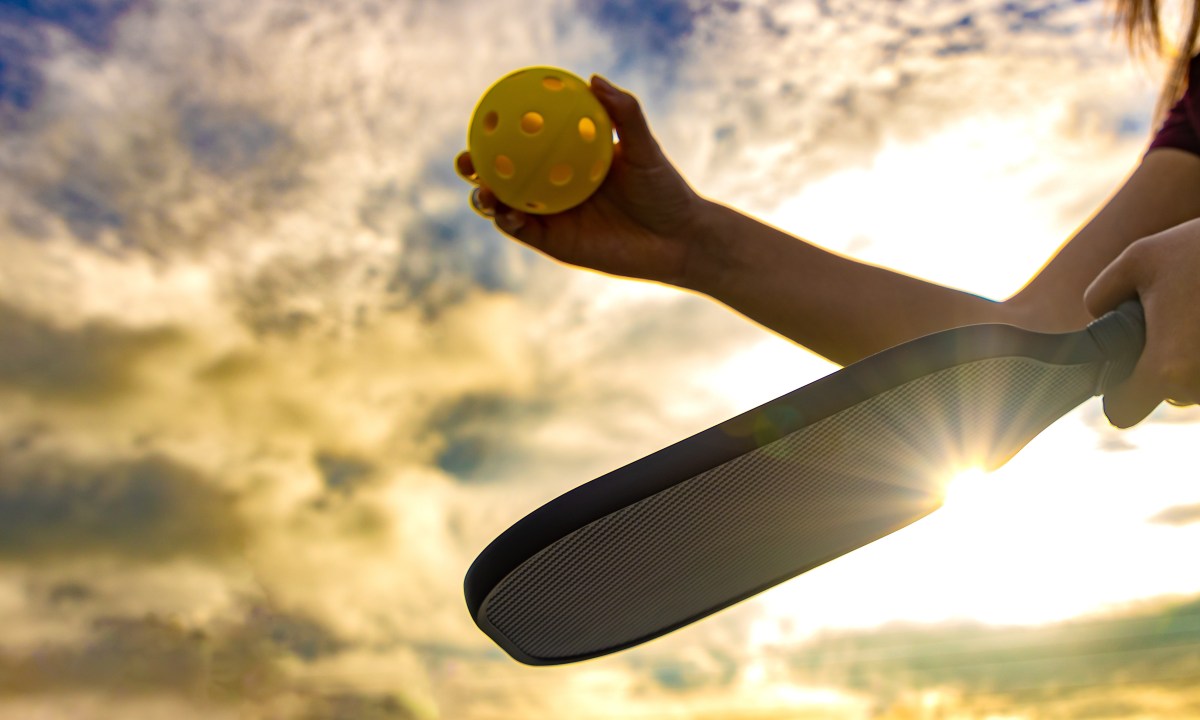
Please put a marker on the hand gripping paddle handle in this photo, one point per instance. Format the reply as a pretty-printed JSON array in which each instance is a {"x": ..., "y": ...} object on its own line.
[{"x": 1121, "y": 335}]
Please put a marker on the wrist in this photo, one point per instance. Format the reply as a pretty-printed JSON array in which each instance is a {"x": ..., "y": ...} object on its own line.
[{"x": 710, "y": 251}]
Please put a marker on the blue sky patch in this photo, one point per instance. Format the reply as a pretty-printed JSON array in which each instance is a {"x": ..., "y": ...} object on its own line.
[
  {"x": 22, "y": 45},
  {"x": 20, "y": 84},
  {"x": 476, "y": 429},
  {"x": 446, "y": 258},
  {"x": 1043, "y": 17},
  {"x": 91, "y": 22},
  {"x": 643, "y": 30},
  {"x": 86, "y": 208},
  {"x": 228, "y": 140}
]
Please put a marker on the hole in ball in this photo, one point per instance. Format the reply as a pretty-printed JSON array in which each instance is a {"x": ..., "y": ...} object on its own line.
[
  {"x": 598, "y": 170},
  {"x": 532, "y": 123},
  {"x": 561, "y": 174},
  {"x": 534, "y": 205},
  {"x": 552, "y": 83},
  {"x": 490, "y": 121},
  {"x": 504, "y": 167},
  {"x": 587, "y": 129}
]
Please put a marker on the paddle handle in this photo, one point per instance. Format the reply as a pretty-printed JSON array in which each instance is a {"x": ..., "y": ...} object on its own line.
[{"x": 1120, "y": 334}]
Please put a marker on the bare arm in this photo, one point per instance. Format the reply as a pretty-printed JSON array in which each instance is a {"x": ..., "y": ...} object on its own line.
[
  {"x": 845, "y": 310},
  {"x": 646, "y": 222},
  {"x": 1164, "y": 191}
]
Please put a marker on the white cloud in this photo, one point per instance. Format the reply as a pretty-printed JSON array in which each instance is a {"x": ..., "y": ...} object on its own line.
[{"x": 271, "y": 184}]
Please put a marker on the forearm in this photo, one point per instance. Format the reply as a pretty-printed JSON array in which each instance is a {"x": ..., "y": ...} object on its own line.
[
  {"x": 1162, "y": 192},
  {"x": 846, "y": 310},
  {"x": 835, "y": 306}
]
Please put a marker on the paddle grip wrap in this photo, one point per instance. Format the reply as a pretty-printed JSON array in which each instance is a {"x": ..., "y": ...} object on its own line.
[{"x": 1121, "y": 334}]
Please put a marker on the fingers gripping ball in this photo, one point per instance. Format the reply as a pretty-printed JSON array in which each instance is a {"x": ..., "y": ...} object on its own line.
[{"x": 540, "y": 140}]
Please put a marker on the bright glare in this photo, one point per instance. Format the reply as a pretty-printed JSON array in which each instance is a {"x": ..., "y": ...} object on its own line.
[
  {"x": 966, "y": 208},
  {"x": 964, "y": 487},
  {"x": 1061, "y": 530}
]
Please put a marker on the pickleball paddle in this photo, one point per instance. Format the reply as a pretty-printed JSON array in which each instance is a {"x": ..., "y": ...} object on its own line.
[{"x": 776, "y": 491}]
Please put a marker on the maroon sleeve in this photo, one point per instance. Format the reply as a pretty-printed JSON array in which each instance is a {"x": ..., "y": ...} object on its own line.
[{"x": 1181, "y": 129}]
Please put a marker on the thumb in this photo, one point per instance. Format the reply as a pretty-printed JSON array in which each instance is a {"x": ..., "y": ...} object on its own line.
[
  {"x": 638, "y": 145},
  {"x": 1135, "y": 398},
  {"x": 1115, "y": 284}
]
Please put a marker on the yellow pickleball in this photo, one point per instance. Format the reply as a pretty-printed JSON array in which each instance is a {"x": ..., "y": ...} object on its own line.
[{"x": 540, "y": 140}]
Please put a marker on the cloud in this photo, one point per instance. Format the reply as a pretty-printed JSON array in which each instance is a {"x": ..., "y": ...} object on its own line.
[
  {"x": 89, "y": 363},
  {"x": 124, "y": 657},
  {"x": 689, "y": 669},
  {"x": 343, "y": 473},
  {"x": 162, "y": 161},
  {"x": 445, "y": 258},
  {"x": 1141, "y": 647},
  {"x": 839, "y": 84},
  {"x": 243, "y": 663},
  {"x": 229, "y": 140},
  {"x": 477, "y": 433},
  {"x": 1177, "y": 515},
  {"x": 27, "y": 31},
  {"x": 269, "y": 385},
  {"x": 367, "y": 707},
  {"x": 145, "y": 510},
  {"x": 85, "y": 206},
  {"x": 91, "y": 22},
  {"x": 644, "y": 32},
  {"x": 1133, "y": 661},
  {"x": 136, "y": 656},
  {"x": 21, "y": 81}
]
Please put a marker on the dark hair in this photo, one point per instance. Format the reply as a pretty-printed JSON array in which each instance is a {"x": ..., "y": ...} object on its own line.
[{"x": 1142, "y": 25}]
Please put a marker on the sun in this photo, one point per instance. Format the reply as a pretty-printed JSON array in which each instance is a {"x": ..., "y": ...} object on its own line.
[{"x": 964, "y": 487}]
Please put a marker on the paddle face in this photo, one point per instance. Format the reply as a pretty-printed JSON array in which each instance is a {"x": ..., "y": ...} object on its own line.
[{"x": 774, "y": 492}]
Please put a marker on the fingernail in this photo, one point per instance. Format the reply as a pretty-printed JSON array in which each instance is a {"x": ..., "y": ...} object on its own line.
[
  {"x": 510, "y": 222},
  {"x": 489, "y": 212},
  {"x": 603, "y": 85}
]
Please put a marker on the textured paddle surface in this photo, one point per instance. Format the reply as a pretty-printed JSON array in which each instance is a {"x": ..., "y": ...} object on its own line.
[{"x": 766, "y": 516}]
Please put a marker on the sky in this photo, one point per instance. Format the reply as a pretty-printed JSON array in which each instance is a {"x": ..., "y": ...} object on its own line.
[{"x": 269, "y": 384}]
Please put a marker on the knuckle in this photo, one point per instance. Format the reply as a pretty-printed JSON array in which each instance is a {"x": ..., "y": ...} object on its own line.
[
  {"x": 628, "y": 103},
  {"x": 1142, "y": 254},
  {"x": 1135, "y": 254},
  {"x": 1133, "y": 257}
]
